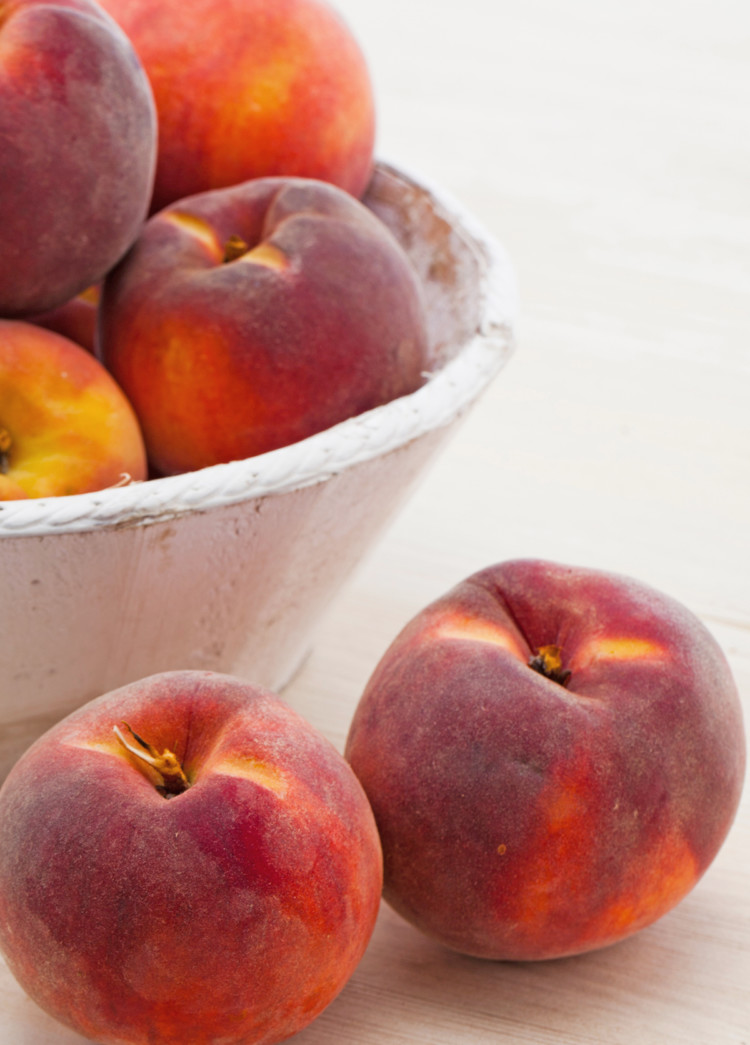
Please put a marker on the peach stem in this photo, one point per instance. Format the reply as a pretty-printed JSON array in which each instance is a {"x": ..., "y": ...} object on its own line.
[
  {"x": 166, "y": 764},
  {"x": 548, "y": 662},
  {"x": 234, "y": 248}
]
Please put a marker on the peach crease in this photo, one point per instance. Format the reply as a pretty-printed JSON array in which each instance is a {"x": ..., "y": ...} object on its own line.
[
  {"x": 196, "y": 228},
  {"x": 268, "y": 255},
  {"x": 616, "y": 649},
  {"x": 114, "y": 748},
  {"x": 267, "y": 776},
  {"x": 472, "y": 629}
]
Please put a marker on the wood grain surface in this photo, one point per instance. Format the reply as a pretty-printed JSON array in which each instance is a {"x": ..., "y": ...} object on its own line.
[{"x": 606, "y": 146}]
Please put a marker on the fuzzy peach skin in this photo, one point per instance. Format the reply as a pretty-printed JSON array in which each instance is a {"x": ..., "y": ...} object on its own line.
[
  {"x": 251, "y": 317},
  {"x": 74, "y": 319},
  {"x": 65, "y": 425},
  {"x": 78, "y": 155},
  {"x": 250, "y": 88},
  {"x": 554, "y": 755},
  {"x": 211, "y": 875}
]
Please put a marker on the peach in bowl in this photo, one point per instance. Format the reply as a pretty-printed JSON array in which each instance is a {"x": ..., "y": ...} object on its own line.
[{"x": 229, "y": 567}]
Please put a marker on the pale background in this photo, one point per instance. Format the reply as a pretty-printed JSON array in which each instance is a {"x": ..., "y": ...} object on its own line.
[{"x": 607, "y": 146}]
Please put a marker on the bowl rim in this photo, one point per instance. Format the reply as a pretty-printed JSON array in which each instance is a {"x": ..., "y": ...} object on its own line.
[{"x": 446, "y": 394}]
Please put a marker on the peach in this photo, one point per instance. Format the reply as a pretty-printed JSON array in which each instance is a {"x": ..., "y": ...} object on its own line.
[
  {"x": 185, "y": 859},
  {"x": 251, "y": 317},
  {"x": 252, "y": 88},
  {"x": 74, "y": 319},
  {"x": 65, "y": 425},
  {"x": 78, "y": 133},
  {"x": 554, "y": 756}
]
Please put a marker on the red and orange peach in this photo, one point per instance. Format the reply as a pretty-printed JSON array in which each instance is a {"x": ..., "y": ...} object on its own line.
[
  {"x": 65, "y": 425},
  {"x": 248, "y": 318},
  {"x": 250, "y": 88},
  {"x": 185, "y": 860},
  {"x": 554, "y": 756}
]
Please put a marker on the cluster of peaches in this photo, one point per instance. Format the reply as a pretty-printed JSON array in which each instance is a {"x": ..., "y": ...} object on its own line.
[
  {"x": 187, "y": 274},
  {"x": 546, "y": 759}
]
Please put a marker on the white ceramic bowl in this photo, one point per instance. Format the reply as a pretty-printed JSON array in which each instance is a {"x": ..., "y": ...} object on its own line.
[{"x": 230, "y": 567}]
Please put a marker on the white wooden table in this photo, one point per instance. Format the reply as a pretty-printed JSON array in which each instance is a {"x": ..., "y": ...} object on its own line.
[{"x": 607, "y": 146}]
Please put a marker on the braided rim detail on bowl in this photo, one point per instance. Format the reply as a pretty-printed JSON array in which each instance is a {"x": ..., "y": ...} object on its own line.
[{"x": 446, "y": 394}]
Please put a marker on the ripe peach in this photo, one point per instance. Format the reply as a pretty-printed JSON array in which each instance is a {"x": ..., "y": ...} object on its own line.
[
  {"x": 185, "y": 859},
  {"x": 78, "y": 133},
  {"x": 65, "y": 425},
  {"x": 250, "y": 88},
  {"x": 251, "y": 317},
  {"x": 554, "y": 755},
  {"x": 74, "y": 319}
]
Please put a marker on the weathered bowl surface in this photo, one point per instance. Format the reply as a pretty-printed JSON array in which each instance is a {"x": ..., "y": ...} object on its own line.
[{"x": 229, "y": 568}]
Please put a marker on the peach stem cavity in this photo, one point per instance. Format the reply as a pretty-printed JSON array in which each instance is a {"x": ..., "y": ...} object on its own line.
[
  {"x": 234, "y": 248},
  {"x": 548, "y": 662},
  {"x": 166, "y": 765}
]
